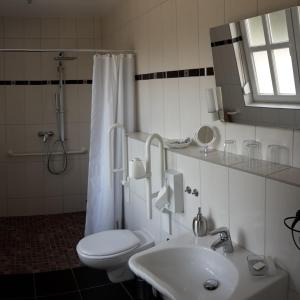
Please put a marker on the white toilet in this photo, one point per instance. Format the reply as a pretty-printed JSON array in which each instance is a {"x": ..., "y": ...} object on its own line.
[{"x": 110, "y": 250}]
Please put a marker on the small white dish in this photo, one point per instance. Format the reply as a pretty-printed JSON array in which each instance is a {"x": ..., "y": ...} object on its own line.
[{"x": 178, "y": 143}]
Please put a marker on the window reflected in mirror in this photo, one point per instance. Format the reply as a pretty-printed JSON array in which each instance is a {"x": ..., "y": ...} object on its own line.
[{"x": 271, "y": 57}]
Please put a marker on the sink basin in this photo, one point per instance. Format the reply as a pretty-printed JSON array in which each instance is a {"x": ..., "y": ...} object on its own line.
[{"x": 179, "y": 268}]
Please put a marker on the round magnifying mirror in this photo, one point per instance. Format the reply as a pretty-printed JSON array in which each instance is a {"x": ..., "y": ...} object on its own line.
[{"x": 205, "y": 137}]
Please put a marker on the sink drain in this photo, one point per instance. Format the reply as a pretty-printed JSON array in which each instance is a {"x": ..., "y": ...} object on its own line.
[{"x": 211, "y": 284}]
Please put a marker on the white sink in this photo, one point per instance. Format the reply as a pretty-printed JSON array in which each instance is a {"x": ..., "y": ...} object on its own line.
[{"x": 179, "y": 268}]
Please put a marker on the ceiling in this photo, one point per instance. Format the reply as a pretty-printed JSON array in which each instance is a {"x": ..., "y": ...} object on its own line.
[{"x": 57, "y": 8}]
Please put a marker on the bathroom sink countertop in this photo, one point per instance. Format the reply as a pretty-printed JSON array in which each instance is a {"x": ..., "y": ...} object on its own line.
[{"x": 178, "y": 268}]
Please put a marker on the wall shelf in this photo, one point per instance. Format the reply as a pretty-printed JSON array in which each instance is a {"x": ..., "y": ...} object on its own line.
[{"x": 263, "y": 168}]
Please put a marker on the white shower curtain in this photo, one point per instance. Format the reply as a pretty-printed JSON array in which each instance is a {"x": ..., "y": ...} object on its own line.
[{"x": 112, "y": 102}]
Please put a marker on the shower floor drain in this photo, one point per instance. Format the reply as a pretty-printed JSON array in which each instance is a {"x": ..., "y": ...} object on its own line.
[{"x": 211, "y": 284}]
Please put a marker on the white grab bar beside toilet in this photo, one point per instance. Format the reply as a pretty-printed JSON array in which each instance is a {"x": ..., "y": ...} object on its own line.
[{"x": 124, "y": 168}]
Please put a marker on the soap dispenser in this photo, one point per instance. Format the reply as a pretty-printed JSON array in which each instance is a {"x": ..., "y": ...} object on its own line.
[{"x": 199, "y": 224}]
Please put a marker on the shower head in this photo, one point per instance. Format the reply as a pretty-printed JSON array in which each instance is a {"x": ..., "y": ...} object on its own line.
[{"x": 61, "y": 57}]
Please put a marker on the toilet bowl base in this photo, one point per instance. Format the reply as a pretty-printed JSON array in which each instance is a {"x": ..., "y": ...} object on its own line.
[{"x": 120, "y": 274}]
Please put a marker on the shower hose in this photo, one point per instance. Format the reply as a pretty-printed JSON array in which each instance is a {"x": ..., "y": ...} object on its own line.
[{"x": 51, "y": 162}]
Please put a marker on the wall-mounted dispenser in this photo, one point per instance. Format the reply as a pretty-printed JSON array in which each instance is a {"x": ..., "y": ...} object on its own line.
[
  {"x": 174, "y": 180},
  {"x": 136, "y": 169}
]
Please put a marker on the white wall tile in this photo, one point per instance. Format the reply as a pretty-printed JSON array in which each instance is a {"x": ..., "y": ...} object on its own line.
[
  {"x": 211, "y": 14},
  {"x": 141, "y": 44},
  {"x": 282, "y": 201},
  {"x": 155, "y": 41},
  {"x": 190, "y": 168},
  {"x": 85, "y": 27},
  {"x": 15, "y": 105},
  {"x": 169, "y": 32},
  {"x": 50, "y": 27},
  {"x": 188, "y": 38},
  {"x": 269, "y": 136},
  {"x": 214, "y": 194},
  {"x": 2, "y": 105},
  {"x": 172, "y": 120},
  {"x": 296, "y": 149},
  {"x": 33, "y": 143},
  {"x": 84, "y": 135},
  {"x": 33, "y": 28},
  {"x": 68, "y": 28},
  {"x": 3, "y": 190},
  {"x": 143, "y": 107},
  {"x": 49, "y": 113},
  {"x": 26, "y": 110},
  {"x": 239, "y": 133},
  {"x": 71, "y": 179},
  {"x": 247, "y": 210},
  {"x": 72, "y": 203},
  {"x": 14, "y": 27},
  {"x": 17, "y": 207},
  {"x": 156, "y": 98},
  {"x": 14, "y": 64},
  {"x": 15, "y": 138},
  {"x": 3, "y": 150},
  {"x": 190, "y": 115},
  {"x": 54, "y": 205},
  {"x": 72, "y": 135},
  {"x": 34, "y": 105},
  {"x": 72, "y": 104},
  {"x": 85, "y": 101},
  {"x": 16, "y": 180},
  {"x": 137, "y": 149}
]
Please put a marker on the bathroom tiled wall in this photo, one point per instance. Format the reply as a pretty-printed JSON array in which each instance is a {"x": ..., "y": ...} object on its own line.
[
  {"x": 26, "y": 186},
  {"x": 174, "y": 35}
]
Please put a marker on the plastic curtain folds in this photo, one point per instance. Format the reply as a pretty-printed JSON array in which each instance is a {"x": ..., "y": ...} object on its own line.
[{"x": 112, "y": 102}]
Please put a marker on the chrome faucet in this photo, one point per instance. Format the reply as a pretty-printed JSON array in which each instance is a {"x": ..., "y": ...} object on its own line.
[{"x": 223, "y": 241}]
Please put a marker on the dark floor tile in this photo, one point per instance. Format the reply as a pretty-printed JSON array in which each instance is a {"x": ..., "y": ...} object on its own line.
[
  {"x": 70, "y": 296},
  {"x": 106, "y": 292},
  {"x": 87, "y": 277},
  {"x": 140, "y": 290},
  {"x": 57, "y": 282},
  {"x": 16, "y": 286}
]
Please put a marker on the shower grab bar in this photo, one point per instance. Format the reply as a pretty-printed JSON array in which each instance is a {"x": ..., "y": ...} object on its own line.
[
  {"x": 14, "y": 154},
  {"x": 124, "y": 168}
]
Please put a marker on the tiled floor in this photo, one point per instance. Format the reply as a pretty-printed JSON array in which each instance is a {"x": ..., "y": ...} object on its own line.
[
  {"x": 71, "y": 284},
  {"x": 40, "y": 243}
]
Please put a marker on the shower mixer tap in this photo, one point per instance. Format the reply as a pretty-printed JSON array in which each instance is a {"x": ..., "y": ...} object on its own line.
[{"x": 45, "y": 135}]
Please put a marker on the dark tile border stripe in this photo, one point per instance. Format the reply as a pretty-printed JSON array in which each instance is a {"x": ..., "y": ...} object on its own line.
[
  {"x": 209, "y": 71},
  {"x": 226, "y": 42},
  {"x": 44, "y": 82}
]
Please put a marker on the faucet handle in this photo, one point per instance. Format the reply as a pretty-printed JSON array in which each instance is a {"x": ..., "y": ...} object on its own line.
[{"x": 223, "y": 231}]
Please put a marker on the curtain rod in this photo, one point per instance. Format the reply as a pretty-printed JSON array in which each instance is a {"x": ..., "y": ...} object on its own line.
[{"x": 72, "y": 50}]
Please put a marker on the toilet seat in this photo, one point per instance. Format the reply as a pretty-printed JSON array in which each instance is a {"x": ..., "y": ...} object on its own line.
[{"x": 108, "y": 243}]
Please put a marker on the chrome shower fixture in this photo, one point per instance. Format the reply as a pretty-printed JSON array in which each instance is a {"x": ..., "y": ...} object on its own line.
[
  {"x": 45, "y": 135},
  {"x": 61, "y": 57}
]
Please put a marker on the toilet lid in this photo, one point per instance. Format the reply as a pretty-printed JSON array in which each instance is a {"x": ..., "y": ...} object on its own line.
[{"x": 108, "y": 242}]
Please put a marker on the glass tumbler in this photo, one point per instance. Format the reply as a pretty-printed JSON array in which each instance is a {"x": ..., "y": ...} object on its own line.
[
  {"x": 251, "y": 149},
  {"x": 229, "y": 149}
]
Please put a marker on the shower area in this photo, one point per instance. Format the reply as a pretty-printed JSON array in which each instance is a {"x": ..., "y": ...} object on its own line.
[{"x": 45, "y": 102}]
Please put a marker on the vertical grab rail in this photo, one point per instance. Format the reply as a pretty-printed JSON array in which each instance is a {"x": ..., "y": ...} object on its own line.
[
  {"x": 124, "y": 168},
  {"x": 149, "y": 195}
]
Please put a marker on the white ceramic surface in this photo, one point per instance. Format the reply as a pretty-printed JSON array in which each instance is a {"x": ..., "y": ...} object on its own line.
[{"x": 178, "y": 269}]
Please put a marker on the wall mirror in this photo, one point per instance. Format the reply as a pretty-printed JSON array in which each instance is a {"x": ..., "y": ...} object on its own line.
[{"x": 257, "y": 67}]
